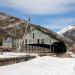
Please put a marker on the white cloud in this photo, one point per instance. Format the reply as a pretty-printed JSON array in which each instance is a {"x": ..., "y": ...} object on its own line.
[
  {"x": 54, "y": 27},
  {"x": 44, "y": 7},
  {"x": 59, "y": 24},
  {"x": 70, "y": 20},
  {"x": 39, "y": 7}
]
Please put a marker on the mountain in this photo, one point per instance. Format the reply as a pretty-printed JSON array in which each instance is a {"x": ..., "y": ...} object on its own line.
[
  {"x": 68, "y": 32},
  {"x": 12, "y": 25},
  {"x": 16, "y": 27}
]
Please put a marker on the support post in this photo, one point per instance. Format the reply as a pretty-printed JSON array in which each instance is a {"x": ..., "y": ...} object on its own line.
[{"x": 50, "y": 44}]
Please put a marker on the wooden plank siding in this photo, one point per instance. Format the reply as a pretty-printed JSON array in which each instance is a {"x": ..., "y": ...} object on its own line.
[
  {"x": 37, "y": 42},
  {"x": 39, "y": 35}
]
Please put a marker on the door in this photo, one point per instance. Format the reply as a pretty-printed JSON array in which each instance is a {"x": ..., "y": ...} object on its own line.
[{"x": 1, "y": 41}]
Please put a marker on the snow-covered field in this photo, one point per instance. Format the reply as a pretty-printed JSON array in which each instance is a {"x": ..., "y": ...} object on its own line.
[{"x": 46, "y": 65}]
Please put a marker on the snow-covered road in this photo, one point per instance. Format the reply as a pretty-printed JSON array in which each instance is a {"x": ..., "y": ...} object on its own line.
[{"x": 46, "y": 65}]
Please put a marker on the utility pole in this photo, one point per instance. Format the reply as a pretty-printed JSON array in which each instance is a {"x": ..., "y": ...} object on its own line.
[
  {"x": 27, "y": 25},
  {"x": 25, "y": 43},
  {"x": 26, "y": 28}
]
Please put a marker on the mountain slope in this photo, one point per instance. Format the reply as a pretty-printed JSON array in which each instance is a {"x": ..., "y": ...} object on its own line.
[
  {"x": 68, "y": 32},
  {"x": 12, "y": 25}
]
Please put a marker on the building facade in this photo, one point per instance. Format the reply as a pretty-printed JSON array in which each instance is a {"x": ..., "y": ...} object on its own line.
[{"x": 38, "y": 41}]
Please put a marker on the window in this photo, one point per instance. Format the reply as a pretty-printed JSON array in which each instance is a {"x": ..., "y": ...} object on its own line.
[
  {"x": 42, "y": 41},
  {"x": 33, "y": 35},
  {"x": 1, "y": 41},
  {"x": 38, "y": 41}
]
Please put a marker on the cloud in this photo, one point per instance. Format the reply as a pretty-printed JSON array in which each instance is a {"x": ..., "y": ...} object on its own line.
[
  {"x": 54, "y": 27},
  {"x": 45, "y": 7},
  {"x": 40, "y": 7},
  {"x": 70, "y": 20},
  {"x": 59, "y": 23}
]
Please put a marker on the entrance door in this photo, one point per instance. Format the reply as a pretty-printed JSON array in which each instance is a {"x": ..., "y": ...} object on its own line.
[
  {"x": 1, "y": 41},
  {"x": 38, "y": 41}
]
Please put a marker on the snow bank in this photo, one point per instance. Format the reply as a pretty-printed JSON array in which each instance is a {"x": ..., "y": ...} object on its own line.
[
  {"x": 12, "y": 55},
  {"x": 41, "y": 66}
]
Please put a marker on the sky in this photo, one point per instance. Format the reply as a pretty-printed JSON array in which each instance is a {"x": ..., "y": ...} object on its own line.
[{"x": 52, "y": 14}]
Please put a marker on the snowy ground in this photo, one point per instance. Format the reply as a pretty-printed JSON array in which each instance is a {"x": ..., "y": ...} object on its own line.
[{"x": 46, "y": 65}]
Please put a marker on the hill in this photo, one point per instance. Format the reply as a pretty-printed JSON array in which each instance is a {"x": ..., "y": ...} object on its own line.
[{"x": 68, "y": 32}]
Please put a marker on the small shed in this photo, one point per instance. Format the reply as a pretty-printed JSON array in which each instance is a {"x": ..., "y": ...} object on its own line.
[{"x": 3, "y": 35}]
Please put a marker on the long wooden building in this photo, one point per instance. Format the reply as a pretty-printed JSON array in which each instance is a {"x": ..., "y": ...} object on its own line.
[
  {"x": 38, "y": 40},
  {"x": 35, "y": 39}
]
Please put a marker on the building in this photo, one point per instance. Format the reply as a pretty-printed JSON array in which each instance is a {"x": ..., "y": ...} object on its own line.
[
  {"x": 35, "y": 39},
  {"x": 26, "y": 37},
  {"x": 29, "y": 38},
  {"x": 7, "y": 42},
  {"x": 38, "y": 40},
  {"x": 3, "y": 35}
]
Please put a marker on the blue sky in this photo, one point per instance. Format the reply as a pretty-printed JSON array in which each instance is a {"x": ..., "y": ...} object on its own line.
[{"x": 52, "y": 14}]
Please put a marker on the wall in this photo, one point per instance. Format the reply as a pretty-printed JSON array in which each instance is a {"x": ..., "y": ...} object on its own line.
[
  {"x": 13, "y": 60},
  {"x": 39, "y": 35},
  {"x": 7, "y": 42}
]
